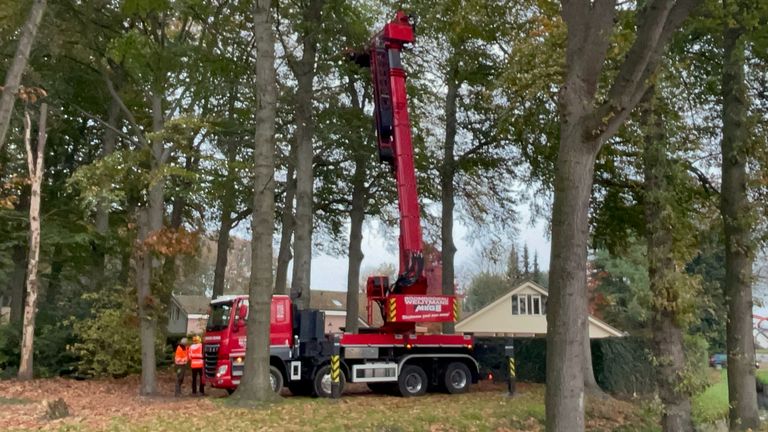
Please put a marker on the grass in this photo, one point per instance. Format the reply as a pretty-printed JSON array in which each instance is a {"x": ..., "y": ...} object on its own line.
[
  {"x": 477, "y": 411},
  {"x": 712, "y": 404}
]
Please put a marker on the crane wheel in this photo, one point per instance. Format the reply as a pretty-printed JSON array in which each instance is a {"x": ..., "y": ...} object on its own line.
[
  {"x": 322, "y": 382},
  {"x": 457, "y": 378},
  {"x": 412, "y": 381},
  {"x": 275, "y": 379}
]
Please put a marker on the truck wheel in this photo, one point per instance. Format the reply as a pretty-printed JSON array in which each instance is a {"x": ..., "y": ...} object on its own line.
[
  {"x": 322, "y": 381},
  {"x": 230, "y": 391},
  {"x": 275, "y": 379},
  {"x": 457, "y": 378},
  {"x": 412, "y": 381}
]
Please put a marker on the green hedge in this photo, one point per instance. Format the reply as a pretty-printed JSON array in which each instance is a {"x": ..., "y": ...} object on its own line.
[{"x": 621, "y": 365}]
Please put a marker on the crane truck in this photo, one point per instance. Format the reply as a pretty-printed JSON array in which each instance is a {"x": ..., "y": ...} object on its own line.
[{"x": 393, "y": 357}]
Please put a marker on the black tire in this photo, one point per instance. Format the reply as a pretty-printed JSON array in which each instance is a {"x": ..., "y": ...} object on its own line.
[
  {"x": 230, "y": 391},
  {"x": 457, "y": 378},
  {"x": 300, "y": 388},
  {"x": 275, "y": 379},
  {"x": 322, "y": 382},
  {"x": 412, "y": 381}
]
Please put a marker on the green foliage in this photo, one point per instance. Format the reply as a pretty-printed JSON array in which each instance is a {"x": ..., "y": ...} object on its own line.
[
  {"x": 623, "y": 282},
  {"x": 10, "y": 345},
  {"x": 484, "y": 288},
  {"x": 108, "y": 341},
  {"x": 623, "y": 365}
]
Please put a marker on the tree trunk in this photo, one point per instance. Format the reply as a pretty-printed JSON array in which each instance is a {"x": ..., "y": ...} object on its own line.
[
  {"x": 590, "y": 382},
  {"x": 35, "y": 165},
  {"x": 305, "y": 74},
  {"x": 447, "y": 190},
  {"x": 287, "y": 226},
  {"x": 567, "y": 301},
  {"x": 739, "y": 246},
  {"x": 108, "y": 142},
  {"x": 147, "y": 324},
  {"x": 13, "y": 77},
  {"x": 222, "y": 247},
  {"x": 357, "y": 216},
  {"x": 585, "y": 124},
  {"x": 150, "y": 222},
  {"x": 255, "y": 385},
  {"x": 668, "y": 344}
]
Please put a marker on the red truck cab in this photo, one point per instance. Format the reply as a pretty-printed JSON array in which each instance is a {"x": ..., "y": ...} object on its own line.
[{"x": 225, "y": 337}]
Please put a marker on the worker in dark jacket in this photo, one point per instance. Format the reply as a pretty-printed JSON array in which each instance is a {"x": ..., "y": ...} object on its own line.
[
  {"x": 196, "y": 363},
  {"x": 180, "y": 360}
]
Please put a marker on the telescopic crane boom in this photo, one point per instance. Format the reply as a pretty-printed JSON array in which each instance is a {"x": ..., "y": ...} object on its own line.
[{"x": 393, "y": 131}]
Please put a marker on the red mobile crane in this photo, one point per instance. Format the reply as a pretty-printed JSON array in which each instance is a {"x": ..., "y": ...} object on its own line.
[{"x": 390, "y": 358}]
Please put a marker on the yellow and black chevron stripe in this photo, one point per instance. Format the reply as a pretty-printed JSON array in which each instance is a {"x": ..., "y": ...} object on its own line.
[
  {"x": 512, "y": 372},
  {"x": 392, "y": 310},
  {"x": 335, "y": 368},
  {"x": 456, "y": 309}
]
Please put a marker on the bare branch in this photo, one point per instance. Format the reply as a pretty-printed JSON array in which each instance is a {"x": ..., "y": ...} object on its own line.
[
  {"x": 128, "y": 114},
  {"x": 41, "y": 138},
  {"x": 105, "y": 124},
  {"x": 27, "y": 143},
  {"x": 657, "y": 25}
]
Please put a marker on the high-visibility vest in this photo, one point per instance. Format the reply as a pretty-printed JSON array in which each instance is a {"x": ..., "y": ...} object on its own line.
[
  {"x": 196, "y": 355},
  {"x": 181, "y": 356}
]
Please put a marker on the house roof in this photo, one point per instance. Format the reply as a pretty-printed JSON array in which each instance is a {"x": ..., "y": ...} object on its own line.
[
  {"x": 193, "y": 304},
  {"x": 335, "y": 303},
  {"x": 328, "y": 300},
  {"x": 543, "y": 291}
]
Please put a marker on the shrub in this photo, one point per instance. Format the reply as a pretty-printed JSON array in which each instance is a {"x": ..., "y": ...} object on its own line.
[{"x": 108, "y": 341}]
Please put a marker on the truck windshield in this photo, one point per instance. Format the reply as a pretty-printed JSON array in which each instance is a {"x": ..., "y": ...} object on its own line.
[{"x": 219, "y": 317}]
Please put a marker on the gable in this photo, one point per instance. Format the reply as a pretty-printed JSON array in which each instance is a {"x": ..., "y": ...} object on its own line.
[
  {"x": 193, "y": 304},
  {"x": 497, "y": 317}
]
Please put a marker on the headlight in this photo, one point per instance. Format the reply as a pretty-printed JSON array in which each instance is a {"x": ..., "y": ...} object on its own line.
[
  {"x": 221, "y": 371},
  {"x": 238, "y": 360}
]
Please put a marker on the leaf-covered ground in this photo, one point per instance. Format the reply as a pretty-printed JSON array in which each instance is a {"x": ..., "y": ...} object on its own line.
[{"x": 115, "y": 406}]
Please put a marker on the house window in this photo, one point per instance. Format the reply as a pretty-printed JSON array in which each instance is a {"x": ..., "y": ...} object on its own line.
[
  {"x": 536, "y": 309},
  {"x": 528, "y": 304}
]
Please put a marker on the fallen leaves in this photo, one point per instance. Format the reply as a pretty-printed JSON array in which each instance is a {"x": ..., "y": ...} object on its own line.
[{"x": 114, "y": 404}]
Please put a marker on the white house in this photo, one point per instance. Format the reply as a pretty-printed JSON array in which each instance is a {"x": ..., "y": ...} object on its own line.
[
  {"x": 521, "y": 312},
  {"x": 334, "y": 306},
  {"x": 187, "y": 315}
]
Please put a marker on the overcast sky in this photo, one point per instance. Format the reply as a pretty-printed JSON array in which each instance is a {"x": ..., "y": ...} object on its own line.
[{"x": 330, "y": 273}]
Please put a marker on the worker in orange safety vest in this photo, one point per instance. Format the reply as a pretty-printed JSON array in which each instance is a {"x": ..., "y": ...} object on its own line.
[
  {"x": 180, "y": 360},
  {"x": 196, "y": 362}
]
